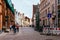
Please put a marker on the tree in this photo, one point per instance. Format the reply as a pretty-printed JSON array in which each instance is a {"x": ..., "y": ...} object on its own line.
[{"x": 37, "y": 20}]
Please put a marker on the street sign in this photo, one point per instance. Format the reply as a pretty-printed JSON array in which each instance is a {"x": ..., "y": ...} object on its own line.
[{"x": 49, "y": 15}]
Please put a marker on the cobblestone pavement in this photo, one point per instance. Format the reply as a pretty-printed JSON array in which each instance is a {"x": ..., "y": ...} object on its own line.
[{"x": 27, "y": 33}]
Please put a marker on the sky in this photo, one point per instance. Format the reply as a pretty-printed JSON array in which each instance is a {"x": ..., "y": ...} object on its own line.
[{"x": 25, "y": 6}]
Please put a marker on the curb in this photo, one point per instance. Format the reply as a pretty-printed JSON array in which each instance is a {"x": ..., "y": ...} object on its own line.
[{"x": 49, "y": 34}]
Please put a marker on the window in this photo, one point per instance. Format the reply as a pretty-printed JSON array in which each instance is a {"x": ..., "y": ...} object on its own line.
[
  {"x": 43, "y": 22},
  {"x": 18, "y": 14},
  {"x": 0, "y": 9},
  {"x": 46, "y": 22},
  {"x": 59, "y": 13},
  {"x": 0, "y": 1},
  {"x": 48, "y": 9},
  {"x": 52, "y": 8},
  {"x": 48, "y": 0},
  {"x": 59, "y": 18},
  {"x": 58, "y": 1},
  {"x": 45, "y": 12}
]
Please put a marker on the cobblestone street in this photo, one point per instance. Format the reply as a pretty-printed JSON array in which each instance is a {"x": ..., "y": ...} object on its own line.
[{"x": 27, "y": 33}]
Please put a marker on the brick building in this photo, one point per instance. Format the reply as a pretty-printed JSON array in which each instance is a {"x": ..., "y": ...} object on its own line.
[
  {"x": 52, "y": 7},
  {"x": 6, "y": 13},
  {"x": 35, "y": 15}
]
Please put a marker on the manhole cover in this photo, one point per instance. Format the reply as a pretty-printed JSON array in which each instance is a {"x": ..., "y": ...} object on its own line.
[{"x": 48, "y": 39}]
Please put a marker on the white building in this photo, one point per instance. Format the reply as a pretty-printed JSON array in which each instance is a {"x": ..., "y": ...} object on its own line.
[
  {"x": 21, "y": 19},
  {"x": 16, "y": 17}
]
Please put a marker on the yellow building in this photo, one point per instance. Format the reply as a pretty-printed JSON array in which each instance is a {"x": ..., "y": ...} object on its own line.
[{"x": 27, "y": 22}]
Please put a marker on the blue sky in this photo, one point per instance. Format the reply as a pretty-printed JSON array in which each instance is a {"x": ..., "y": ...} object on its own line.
[{"x": 25, "y": 6}]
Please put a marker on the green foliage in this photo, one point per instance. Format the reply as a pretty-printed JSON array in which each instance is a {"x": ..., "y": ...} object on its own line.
[{"x": 37, "y": 20}]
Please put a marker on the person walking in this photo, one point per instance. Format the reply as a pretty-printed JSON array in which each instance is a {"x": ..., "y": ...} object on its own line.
[
  {"x": 10, "y": 27},
  {"x": 14, "y": 28},
  {"x": 17, "y": 28}
]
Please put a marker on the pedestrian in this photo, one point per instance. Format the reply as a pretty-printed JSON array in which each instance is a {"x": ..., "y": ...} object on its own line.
[
  {"x": 10, "y": 27},
  {"x": 14, "y": 28},
  {"x": 17, "y": 28}
]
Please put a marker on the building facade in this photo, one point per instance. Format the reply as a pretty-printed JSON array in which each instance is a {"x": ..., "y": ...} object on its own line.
[
  {"x": 35, "y": 17},
  {"x": 26, "y": 21},
  {"x": 16, "y": 16},
  {"x": 52, "y": 7},
  {"x": 19, "y": 18},
  {"x": 6, "y": 13}
]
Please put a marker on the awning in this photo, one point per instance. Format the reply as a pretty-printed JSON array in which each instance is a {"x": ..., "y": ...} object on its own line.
[{"x": 10, "y": 5}]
